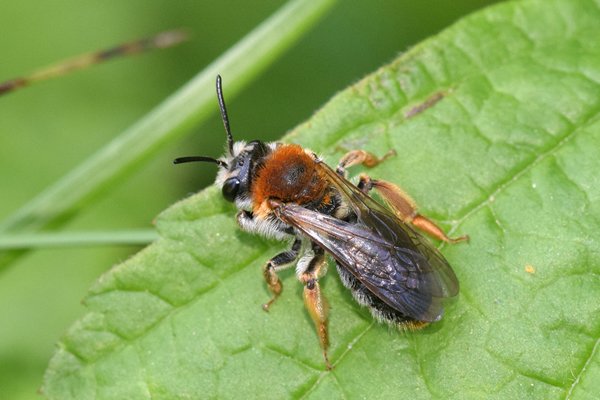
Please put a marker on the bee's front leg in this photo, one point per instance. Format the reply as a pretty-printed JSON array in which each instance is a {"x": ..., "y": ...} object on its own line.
[
  {"x": 310, "y": 268},
  {"x": 279, "y": 262},
  {"x": 405, "y": 207}
]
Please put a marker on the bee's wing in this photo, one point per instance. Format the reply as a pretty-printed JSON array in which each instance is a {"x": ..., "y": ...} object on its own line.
[
  {"x": 394, "y": 262},
  {"x": 387, "y": 225}
]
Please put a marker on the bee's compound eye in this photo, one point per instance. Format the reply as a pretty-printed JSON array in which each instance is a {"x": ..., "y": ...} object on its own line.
[{"x": 231, "y": 188}]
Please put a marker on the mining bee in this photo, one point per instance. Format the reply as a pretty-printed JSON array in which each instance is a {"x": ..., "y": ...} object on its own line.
[{"x": 286, "y": 192}]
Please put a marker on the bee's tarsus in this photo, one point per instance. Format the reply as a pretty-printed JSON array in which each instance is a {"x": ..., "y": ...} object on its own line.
[
  {"x": 431, "y": 228},
  {"x": 328, "y": 365},
  {"x": 266, "y": 306}
]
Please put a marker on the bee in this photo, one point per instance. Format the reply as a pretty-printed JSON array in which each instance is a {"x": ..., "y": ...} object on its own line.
[{"x": 286, "y": 192}]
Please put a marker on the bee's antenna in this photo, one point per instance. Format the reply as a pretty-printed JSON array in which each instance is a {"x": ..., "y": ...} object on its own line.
[
  {"x": 224, "y": 116},
  {"x": 181, "y": 160}
]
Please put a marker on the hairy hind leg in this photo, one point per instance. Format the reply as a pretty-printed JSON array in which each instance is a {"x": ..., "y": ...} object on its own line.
[
  {"x": 405, "y": 207},
  {"x": 400, "y": 202},
  {"x": 311, "y": 267}
]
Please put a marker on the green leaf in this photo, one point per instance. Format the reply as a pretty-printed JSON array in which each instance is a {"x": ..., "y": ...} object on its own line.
[{"x": 496, "y": 124}]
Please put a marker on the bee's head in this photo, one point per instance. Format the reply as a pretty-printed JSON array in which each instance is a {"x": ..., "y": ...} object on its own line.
[{"x": 238, "y": 165}]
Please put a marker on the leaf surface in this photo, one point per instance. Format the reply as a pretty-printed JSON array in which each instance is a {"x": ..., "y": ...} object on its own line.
[{"x": 496, "y": 123}]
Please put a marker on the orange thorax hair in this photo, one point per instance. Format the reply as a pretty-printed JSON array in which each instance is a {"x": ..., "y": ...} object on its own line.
[{"x": 288, "y": 174}]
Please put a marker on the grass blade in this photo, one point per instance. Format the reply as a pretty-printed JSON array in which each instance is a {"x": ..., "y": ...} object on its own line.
[
  {"x": 72, "y": 239},
  {"x": 176, "y": 115}
]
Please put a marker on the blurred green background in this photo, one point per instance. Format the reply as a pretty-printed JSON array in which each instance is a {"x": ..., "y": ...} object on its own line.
[{"x": 48, "y": 129}]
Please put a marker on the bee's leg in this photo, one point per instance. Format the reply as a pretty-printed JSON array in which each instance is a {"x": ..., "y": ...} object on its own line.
[
  {"x": 355, "y": 157},
  {"x": 310, "y": 268},
  {"x": 405, "y": 207},
  {"x": 279, "y": 262}
]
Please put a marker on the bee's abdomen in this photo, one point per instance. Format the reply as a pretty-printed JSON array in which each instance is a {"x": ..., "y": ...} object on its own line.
[{"x": 379, "y": 309}]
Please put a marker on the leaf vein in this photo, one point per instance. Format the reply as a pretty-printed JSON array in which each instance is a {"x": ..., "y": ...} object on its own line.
[
  {"x": 502, "y": 185},
  {"x": 583, "y": 369},
  {"x": 349, "y": 347}
]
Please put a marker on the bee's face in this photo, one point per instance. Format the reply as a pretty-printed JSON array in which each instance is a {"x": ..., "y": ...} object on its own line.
[
  {"x": 238, "y": 166},
  {"x": 238, "y": 169}
]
